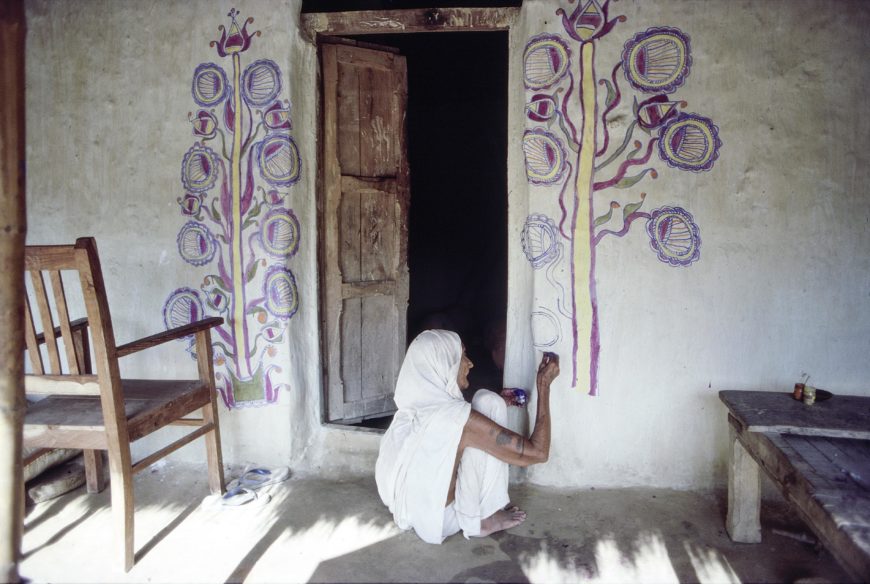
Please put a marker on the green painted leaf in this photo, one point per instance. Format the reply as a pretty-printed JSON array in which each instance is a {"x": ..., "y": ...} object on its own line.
[
  {"x": 221, "y": 283},
  {"x": 630, "y": 181},
  {"x": 631, "y": 208},
  {"x": 571, "y": 143},
  {"x": 252, "y": 270},
  {"x": 604, "y": 218},
  {"x": 611, "y": 93},
  {"x": 621, "y": 148}
]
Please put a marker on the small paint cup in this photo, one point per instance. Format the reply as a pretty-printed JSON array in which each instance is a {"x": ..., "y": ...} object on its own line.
[
  {"x": 521, "y": 398},
  {"x": 798, "y": 393},
  {"x": 809, "y": 395}
]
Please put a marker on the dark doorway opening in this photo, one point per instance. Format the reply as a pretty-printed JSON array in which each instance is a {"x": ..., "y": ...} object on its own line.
[{"x": 457, "y": 149}]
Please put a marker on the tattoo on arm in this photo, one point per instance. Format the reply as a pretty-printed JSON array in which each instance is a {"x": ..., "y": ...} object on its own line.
[{"x": 503, "y": 438}]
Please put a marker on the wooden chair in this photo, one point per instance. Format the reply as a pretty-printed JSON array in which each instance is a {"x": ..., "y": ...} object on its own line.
[{"x": 100, "y": 411}]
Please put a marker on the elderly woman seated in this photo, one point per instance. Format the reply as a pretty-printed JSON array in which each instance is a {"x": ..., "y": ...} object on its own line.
[{"x": 443, "y": 463}]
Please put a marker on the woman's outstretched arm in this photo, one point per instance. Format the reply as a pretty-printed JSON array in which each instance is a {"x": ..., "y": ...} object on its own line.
[{"x": 482, "y": 433}]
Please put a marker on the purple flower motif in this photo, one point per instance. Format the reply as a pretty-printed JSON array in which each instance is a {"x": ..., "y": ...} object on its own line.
[
  {"x": 674, "y": 236},
  {"x": 545, "y": 61},
  {"x": 272, "y": 333},
  {"x": 234, "y": 40},
  {"x": 182, "y": 307},
  {"x": 204, "y": 124},
  {"x": 209, "y": 84},
  {"x": 690, "y": 142},
  {"x": 279, "y": 289},
  {"x": 190, "y": 204},
  {"x": 277, "y": 117},
  {"x": 655, "y": 111},
  {"x": 279, "y": 160},
  {"x": 657, "y": 60},
  {"x": 273, "y": 197},
  {"x": 196, "y": 244},
  {"x": 279, "y": 233},
  {"x": 588, "y": 21},
  {"x": 215, "y": 293},
  {"x": 545, "y": 157},
  {"x": 199, "y": 169},
  {"x": 261, "y": 82},
  {"x": 541, "y": 108},
  {"x": 540, "y": 241}
]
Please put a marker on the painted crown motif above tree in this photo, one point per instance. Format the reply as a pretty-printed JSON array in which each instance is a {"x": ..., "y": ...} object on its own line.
[{"x": 236, "y": 40}]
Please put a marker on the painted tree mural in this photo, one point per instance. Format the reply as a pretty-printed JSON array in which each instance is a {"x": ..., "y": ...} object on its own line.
[
  {"x": 235, "y": 179},
  {"x": 569, "y": 145}
]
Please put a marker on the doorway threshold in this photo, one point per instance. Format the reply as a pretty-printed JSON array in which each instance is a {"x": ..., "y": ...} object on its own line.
[{"x": 376, "y": 425}]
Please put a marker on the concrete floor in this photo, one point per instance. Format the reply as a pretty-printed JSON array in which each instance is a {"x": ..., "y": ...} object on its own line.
[{"x": 316, "y": 530}]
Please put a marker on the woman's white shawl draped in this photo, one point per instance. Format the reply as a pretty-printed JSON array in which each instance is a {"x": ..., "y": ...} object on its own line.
[{"x": 418, "y": 451}]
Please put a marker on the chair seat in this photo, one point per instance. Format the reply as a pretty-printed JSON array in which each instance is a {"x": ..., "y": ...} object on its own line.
[{"x": 148, "y": 405}]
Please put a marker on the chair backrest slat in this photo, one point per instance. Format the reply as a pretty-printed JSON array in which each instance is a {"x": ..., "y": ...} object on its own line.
[
  {"x": 47, "y": 322},
  {"x": 30, "y": 339},
  {"x": 45, "y": 264},
  {"x": 72, "y": 356},
  {"x": 83, "y": 259}
]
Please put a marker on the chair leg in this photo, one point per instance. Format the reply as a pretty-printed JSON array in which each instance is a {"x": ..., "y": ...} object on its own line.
[
  {"x": 210, "y": 414},
  {"x": 213, "y": 449},
  {"x": 121, "y": 487},
  {"x": 95, "y": 471}
]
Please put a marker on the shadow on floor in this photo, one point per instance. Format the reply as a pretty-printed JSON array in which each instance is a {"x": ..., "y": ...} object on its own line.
[
  {"x": 600, "y": 536},
  {"x": 318, "y": 530}
]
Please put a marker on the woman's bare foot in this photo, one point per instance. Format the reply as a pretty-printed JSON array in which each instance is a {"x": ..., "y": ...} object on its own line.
[{"x": 501, "y": 520}]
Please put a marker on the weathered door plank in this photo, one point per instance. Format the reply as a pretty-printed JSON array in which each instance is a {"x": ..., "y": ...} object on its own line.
[{"x": 364, "y": 228}]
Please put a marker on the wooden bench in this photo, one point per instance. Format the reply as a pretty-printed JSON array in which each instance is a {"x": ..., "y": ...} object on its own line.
[{"x": 818, "y": 456}]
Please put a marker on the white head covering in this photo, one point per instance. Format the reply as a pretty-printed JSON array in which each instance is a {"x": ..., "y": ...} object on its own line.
[
  {"x": 418, "y": 452},
  {"x": 429, "y": 371}
]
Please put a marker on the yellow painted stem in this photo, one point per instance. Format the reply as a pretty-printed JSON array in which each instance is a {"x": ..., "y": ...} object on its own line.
[
  {"x": 582, "y": 236},
  {"x": 236, "y": 225}
]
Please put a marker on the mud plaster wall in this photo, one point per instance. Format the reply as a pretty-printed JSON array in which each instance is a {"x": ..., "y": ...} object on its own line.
[
  {"x": 781, "y": 287},
  {"x": 109, "y": 91}
]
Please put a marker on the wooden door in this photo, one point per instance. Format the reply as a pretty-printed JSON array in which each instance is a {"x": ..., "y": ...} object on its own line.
[{"x": 364, "y": 234}]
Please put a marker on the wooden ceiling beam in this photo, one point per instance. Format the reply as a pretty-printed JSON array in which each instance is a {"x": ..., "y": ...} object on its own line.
[{"x": 408, "y": 21}]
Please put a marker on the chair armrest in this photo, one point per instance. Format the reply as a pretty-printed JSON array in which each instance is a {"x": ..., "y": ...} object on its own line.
[
  {"x": 74, "y": 325},
  {"x": 170, "y": 335}
]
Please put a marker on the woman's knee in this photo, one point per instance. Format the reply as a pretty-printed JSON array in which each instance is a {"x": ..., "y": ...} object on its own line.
[{"x": 491, "y": 405}]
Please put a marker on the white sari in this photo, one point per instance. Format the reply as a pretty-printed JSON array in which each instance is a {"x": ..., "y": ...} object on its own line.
[{"x": 418, "y": 452}]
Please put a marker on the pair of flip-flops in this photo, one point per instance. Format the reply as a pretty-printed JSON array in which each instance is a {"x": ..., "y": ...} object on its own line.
[
  {"x": 235, "y": 498},
  {"x": 245, "y": 490},
  {"x": 256, "y": 478}
]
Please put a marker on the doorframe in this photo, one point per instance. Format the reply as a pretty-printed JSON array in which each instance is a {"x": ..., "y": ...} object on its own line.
[{"x": 315, "y": 27}]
